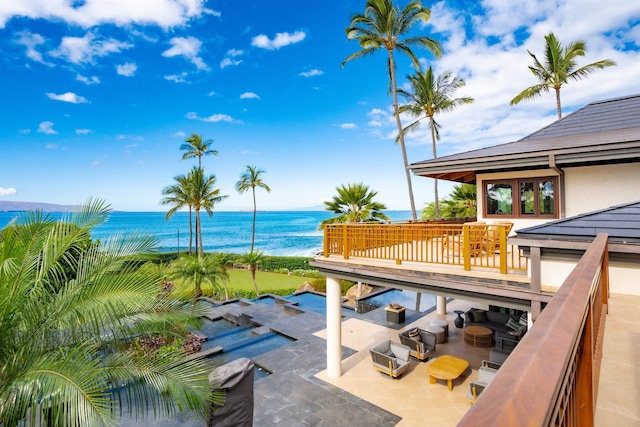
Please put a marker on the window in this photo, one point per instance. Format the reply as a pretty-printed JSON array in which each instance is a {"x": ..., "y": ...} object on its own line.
[{"x": 521, "y": 198}]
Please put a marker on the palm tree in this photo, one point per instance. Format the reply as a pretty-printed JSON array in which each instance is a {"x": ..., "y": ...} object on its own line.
[
  {"x": 179, "y": 195},
  {"x": 462, "y": 203},
  {"x": 354, "y": 203},
  {"x": 250, "y": 180},
  {"x": 253, "y": 259},
  {"x": 558, "y": 68},
  {"x": 383, "y": 25},
  {"x": 203, "y": 196},
  {"x": 68, "y": 311},
  {"x": 197, "y": 270},
  {"x": 429, "y": 96},
  {"x": 224, "y": 260},
  {"x": 194, "y": 146}
]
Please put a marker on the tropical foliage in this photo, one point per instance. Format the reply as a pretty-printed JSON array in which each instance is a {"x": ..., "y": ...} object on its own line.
[
  {"x": 69, "y": 310},
  {"x": 253, "y": 259},
  {"x": 194, "y": 146},
  {"x": 251, "y": 179},
  {"x": 462, "y": 202},
  {"x": 429, "y": 96},
  {"x": 179, "y": 195},
  {"x": 197, "y": 270},
  {"x": 354, "y": 203},
  {"x": 384, "y": 25},
  {"x": 559, "y": 66}
]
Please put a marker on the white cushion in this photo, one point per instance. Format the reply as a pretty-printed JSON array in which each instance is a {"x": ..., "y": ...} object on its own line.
[{"x": 400, "y": 351}]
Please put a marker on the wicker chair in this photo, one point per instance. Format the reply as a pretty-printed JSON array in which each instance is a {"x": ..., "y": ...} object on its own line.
[
  {"x": 390, "y": 358},
  {"x": 422, "y": 343}
]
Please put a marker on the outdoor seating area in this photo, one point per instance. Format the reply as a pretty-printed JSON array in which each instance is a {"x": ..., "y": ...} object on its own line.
[
  {"x": 486, "y": 372},
  {"x": 421, "y": 342},
  {"x": 390, "y": 358}
]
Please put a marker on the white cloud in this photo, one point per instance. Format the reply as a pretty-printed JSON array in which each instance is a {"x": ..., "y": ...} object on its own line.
[
  {"x": 311, "y": 73},
  {"x": 88, "y": 80},
  {"x": 180, "y": 134},
  {"x": 83, "y": 131},
  {"x": 31, "y": 41},
  {"x": 128, "y": 69},
  {"x": 234, "y": 52},
  {"x": 211, "y": 93},
  {"x": 90, "y": 13},
  {"x": 215, "y": 118},
  {"x": 47, "y": 128},
  {"x": 226, "y": 62},
  {"x": 249, "y": 95},
  {"x": 80, "y": 50},
  {"x": 281, "y": 40},
  {"x": 177, "y": 78},
  {"x": 189, "y": 47},
  {"x": 7, "y": 191},
  {"x": 68, "y": 97},
  {"x": 348, "y": 126}
]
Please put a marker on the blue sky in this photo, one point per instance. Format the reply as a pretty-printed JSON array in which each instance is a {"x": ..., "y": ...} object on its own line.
[{"x": 97, "y": 95}]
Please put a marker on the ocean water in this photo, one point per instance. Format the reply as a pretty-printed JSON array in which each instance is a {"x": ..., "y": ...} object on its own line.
[{"x": 286, "y": 233}]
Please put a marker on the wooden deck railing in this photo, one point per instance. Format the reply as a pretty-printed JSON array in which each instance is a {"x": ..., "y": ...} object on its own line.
[
  {"x": 468, "y": 245},
  {"x": 551, "y": 378}
]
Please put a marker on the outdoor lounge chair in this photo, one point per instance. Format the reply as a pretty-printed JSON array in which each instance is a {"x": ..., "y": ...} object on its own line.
[
  {"x": 390, "y": 358},
  {"x": 491, "y": 244},
  {"x": 477, "y": 239},
  {"x": 485, "y": 375},
  {"x": 422, "y": 343}
]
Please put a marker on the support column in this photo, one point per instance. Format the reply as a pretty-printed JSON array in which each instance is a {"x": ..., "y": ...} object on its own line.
[
  {"x": 334, "y": 328},
  {"x": 441, "y": 304}
]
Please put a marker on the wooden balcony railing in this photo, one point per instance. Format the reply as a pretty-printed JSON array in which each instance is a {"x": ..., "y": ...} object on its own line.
[
  {"x": 468, "y": 245},
  {"x": 551, "y": 378}
]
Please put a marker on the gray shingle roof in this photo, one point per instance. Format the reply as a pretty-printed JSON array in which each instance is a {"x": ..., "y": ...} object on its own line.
[
  {"x": 621, "y": 223},
  {"x": 601, "y": 132}
]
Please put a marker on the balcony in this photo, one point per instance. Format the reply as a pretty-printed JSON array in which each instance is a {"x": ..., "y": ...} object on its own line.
[{"x": 467, "y": 246}]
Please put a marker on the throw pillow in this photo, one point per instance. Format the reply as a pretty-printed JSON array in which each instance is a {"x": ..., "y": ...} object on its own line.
[
  {"x": 523, "y": 320},
  {"x": 478, "y": 316},
  {"x": 517, "y": 333},
  {"x": 513, "y": 325},
  {"x": 394, "y": 363},
  {"x": 414, "y": 334}
]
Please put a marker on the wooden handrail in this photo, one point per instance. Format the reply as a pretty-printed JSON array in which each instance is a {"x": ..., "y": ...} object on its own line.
[
  {"x": 551, "y": 377},
  {"x": 468, "y": 245}
]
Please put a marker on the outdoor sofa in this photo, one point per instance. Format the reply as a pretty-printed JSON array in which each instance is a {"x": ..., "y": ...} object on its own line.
[
  {"x": 390, "y": 357},
  {"x": 493, "y": 320},
  {"x": 422, "y": 343}
]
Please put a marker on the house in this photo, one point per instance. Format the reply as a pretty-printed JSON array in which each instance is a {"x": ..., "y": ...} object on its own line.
[{"x": 560, "y": 186}]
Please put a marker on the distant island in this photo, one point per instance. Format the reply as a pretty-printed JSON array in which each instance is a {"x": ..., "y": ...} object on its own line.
[{"x": 9, "y": 206}]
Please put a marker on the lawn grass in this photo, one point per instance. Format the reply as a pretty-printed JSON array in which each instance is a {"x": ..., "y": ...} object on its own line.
[{"x": 241, "y": 280}]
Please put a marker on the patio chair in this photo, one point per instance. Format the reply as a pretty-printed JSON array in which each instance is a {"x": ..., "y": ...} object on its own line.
[
  {"x": 491, "y": 243},
  {"x": 485, "y": 375},
  {"x": 422, "y": 343},
  {"x": 390, "y": 358},
  {"x": 477, "y": 237}
]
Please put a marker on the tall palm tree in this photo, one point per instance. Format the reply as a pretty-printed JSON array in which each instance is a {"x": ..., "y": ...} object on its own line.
[
  {"x": 66, "y": 310},
  {"x": 194, "y": 146},
  {"x": 382, "y": 26},
  {"x": 179, "y": 195},
  {"x": 197, "y": 270},
  {"x": 431, "y": 95},
  {"x": 224, "y": 260},
  {"x": 354, "y": 203},
  {"x": 253, "y": 259},
  {"x": 251, "y": 179},
  {"x": 558, "y": 68},
  {"x": 203, "y": 196}
]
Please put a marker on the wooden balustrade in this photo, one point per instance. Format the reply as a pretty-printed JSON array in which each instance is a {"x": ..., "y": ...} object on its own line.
[
  {"x": 551, "y": 378},
  {"x": 468, "y": 245}
]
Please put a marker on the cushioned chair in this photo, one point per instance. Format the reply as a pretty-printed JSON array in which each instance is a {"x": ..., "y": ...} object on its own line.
[
  {"x": 485, "y": 375},
  {"x": 422, "y": 343},
  {"x": 390, "y": 358},
  {"x": 492, "y": 242}
]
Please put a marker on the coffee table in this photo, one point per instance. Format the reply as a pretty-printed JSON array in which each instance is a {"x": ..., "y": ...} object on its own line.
[
  {"x": 478, "y": 336},
  {"x": 446, "y": 368}
]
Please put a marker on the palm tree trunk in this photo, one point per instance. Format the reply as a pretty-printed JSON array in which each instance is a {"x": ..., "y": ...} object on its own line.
[
  {"x": 253, "y": 228},
  {"x": 435, "y": 155},
  {"x": 190, "y": 229},
  {"x": 197, "y": 228},
  {"x": 558, "y": 103},
  {"x": 253, "y": 276},
  {"x": 392, "y": 72}
]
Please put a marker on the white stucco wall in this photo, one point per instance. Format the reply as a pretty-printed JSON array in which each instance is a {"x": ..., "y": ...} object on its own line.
[
  {"x": 597, "y": 187},
  {"x": 623, "y": 277}
]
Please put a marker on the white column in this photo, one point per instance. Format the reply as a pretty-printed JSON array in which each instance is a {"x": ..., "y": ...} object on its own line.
[
  {"x": 441, "y": 304},
  {"x": 334, "y": 328}
]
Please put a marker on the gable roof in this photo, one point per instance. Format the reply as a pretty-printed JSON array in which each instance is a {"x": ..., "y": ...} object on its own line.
[{"x": 602, "y": 132}]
